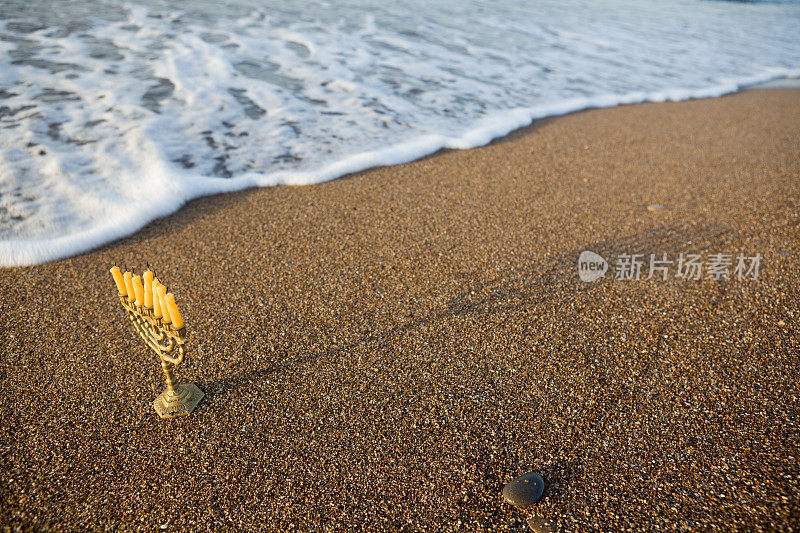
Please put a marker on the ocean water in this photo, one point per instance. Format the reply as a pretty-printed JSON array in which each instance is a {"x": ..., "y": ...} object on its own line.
[{"x": 114, "y": 113}]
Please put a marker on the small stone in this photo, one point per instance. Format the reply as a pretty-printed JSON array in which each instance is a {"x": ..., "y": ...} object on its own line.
[
  {"x": 541, "y": 525},
  {"x": 655, "y": 207},
  {"x": 525, "y": 490},
  {"x": 781, "y": 323},
  {"x": 164, "y": 526}
]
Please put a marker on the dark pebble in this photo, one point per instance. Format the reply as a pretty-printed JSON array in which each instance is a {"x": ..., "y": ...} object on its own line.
[{"x": 525, "y": 490}]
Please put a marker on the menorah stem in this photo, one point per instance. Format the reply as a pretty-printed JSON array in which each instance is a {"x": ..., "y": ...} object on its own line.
[
  {"x": 177, "y": 400},
  {"x": 172, "y": 383}
]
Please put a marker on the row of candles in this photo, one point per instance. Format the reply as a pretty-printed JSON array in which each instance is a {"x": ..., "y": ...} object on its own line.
[{"x": 146, "y": 291}]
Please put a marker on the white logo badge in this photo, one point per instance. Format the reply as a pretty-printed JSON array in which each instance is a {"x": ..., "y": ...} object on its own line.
[{"x": 591, "y": 266}]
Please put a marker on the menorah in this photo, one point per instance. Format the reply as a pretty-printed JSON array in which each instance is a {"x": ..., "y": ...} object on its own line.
[{"x": 156, "y": 318}]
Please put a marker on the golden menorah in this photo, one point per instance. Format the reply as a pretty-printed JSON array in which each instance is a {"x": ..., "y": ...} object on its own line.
[{"x": 156, "y": 318}]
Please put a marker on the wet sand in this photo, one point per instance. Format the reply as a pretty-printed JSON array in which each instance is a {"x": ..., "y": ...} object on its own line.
[{"x": 384, "y": 352}]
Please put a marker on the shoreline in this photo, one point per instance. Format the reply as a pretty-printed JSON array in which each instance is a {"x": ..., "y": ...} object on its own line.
[
  {"x": 482, "y": 133},
  {"x": 387, "y": 350}
]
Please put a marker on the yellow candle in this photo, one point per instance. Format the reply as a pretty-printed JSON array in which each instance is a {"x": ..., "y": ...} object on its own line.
[
  {"x": 119, "y": 280},
  {"x": 138, "y": 289},
  {"x": 129, "y": 286},
  {"x": 148, "y": 288},
  {"x": 174, "y": 314},
  {"x": 156, "y": 299},
  {"x": 162, "y": 292}
]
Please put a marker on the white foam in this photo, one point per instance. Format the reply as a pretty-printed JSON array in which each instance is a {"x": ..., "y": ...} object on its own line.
[{"x": 132, "y": 118}]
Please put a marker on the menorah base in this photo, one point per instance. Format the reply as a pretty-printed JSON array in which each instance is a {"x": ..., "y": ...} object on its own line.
[{"x": 181, "y": 403}]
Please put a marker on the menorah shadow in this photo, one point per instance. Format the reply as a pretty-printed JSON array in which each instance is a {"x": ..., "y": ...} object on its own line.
[{"x": 519, "y": 289}]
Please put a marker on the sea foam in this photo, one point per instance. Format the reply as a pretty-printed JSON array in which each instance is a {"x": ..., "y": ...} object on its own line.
[{"x": 111, "y": 121}]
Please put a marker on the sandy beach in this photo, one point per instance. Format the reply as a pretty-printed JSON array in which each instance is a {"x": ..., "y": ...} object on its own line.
[{"x": 385, "y": 351}]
